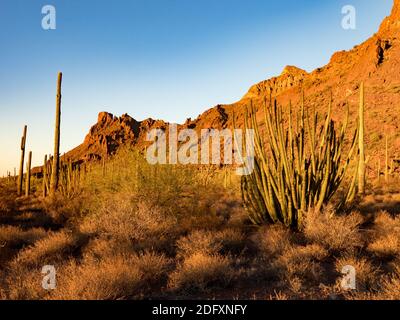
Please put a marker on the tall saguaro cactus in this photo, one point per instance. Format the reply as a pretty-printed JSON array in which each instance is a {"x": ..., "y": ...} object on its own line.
[
  {"x": 28, "y": 175},
  {"x": 56, "y": 159},
  {"x": 21, "y": 164},
  {"x": 361, "y": 166}
]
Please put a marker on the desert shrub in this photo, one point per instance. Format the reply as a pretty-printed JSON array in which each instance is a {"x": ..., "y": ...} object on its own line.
[
  {"x": 23, "y": 284},
  {"x": 56, "y": 247},
  {"x": 153, "y": 266},
  {"x": 209, "y": 209},
  {"x": 334, "y": 232},
  {"x": 238, "y": 216},
  {"x": 17, "y": 237},
  {"x": 391, "y": 285},
  {"x": 198, "y": 242},
  {"x": 8, "y": 193},
  {"x": 129, "y": 172},
  {"x": 111, "y": 278},
  {"x": 268, "y": 243},
  {"x": 7, "y": 204},
  {"x": 278, "y": 296},
  {"x": 100, "y": 247},
  {"x": 385, "y": 236},
  {"x": 386, "y": 246},
  {"x": 193, "y": 194},
  {"x": 210, "y": 242},
  {"x": 386, "y": 224},
  {"x": 233, "y": 241},
  {"x": 201, "y": 272},
  {"x": 272, "y": 240},
  {"x": 142, "y": 224},
  {"x": 63, "y": 210},
  {"x": 299, "y": 263},
  {"x": 24, "y": 278}
]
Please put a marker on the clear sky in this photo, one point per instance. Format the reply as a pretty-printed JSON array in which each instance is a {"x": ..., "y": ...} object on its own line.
[{"x": 166, "y": 59}]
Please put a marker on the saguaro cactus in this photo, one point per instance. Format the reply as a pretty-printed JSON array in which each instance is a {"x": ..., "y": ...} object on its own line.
[
  {"x": 28, "y": 175},
  {"x": 45, "y": 177},
  {"x": 361, "y": 166},
  {"x": 21, "y": 164},
  {"x": 56, "y": 159}
]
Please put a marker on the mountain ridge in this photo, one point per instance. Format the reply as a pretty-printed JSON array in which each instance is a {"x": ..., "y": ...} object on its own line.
[{"x": 376, "y": 61}]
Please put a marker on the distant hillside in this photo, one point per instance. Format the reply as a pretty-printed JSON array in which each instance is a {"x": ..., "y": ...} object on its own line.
[{"x": 376, "y": 62}]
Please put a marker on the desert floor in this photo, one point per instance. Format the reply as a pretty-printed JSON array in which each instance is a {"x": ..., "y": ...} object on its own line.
[{"x": 178, "y": 233}]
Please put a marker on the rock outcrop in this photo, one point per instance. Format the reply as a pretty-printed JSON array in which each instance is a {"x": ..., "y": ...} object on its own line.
[
  {"x": 290, "y": 77},
  {"x": 110, "y": 133}
]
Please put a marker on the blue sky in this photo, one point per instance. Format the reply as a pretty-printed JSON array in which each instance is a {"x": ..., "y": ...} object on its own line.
[{"x": 166, "y": 59}]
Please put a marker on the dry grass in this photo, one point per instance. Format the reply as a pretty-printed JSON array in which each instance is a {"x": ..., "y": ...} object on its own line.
[
  {"x": 272, "y": 240},
  {"x": 62, "y": 210},
  {"x": 7, "y": 196},
  {"x": 210, "y": 242},
  {"x": 335, "y": 233},
  {"x": 24, "y": 276},
  {"x": 391, "y": 285},
  {"x": 200, "y": 273},
  {"x": 278, "y": 296},
  {"x": 111, "y": 278},
  {"x": 101, "y": 247},
  {"x": 142, "y": 224},
  {"x": 385, "y": 223},
  {"x": 387, "y": 246},
  {"x": 23, "y": 284},
  {"x": 7, "y": 204},
  {"x": 298, "y": 264},
  {"x": 54, "y": 248},
  {"x": 17, "y": 237},
  {"x": 385, "y": 236}
]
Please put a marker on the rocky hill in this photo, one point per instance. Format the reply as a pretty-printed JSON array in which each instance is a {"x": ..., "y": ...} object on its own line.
[{"x": 376, "y": 62}]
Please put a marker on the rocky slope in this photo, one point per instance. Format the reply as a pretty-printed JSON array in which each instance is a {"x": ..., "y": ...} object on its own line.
[{"x": 376, "y": 62}]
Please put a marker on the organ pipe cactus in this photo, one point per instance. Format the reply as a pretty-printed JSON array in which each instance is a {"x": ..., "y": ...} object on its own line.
[
  {"x": 21, "y": 164},
  {"x": 56, "y": 158},
  {"x": 70, "y": 179},
  {"x": 297, "y": 167}
]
